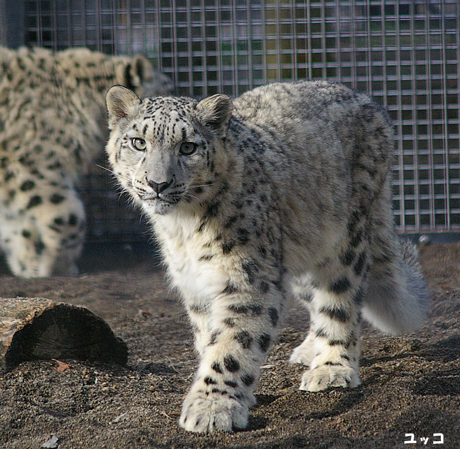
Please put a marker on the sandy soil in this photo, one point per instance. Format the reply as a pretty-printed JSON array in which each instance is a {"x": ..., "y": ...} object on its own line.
[{"x": 411, "y": 385}]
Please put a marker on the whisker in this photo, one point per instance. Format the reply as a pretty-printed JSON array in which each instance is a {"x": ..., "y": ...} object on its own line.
[
  {"x": 189, "y": 195},
  {"x": 105, "y": 168},
  {"x": 113, "y": 173}
]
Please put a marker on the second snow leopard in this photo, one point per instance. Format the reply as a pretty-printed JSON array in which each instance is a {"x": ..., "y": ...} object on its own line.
[
  {"x": 52, "y": 124},
  {"x": 283, "y": 192}
]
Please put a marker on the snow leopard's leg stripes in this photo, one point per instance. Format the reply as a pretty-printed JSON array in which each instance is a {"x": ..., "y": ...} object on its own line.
[
  {"x": 233, "y": 336},
  {"x": 334, "y": 296}
]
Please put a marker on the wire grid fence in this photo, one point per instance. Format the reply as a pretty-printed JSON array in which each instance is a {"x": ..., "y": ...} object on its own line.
[{"x": 405, "y": 53}]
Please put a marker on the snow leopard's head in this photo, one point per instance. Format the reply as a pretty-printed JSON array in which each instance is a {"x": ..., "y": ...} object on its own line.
[{"x": 165, "y": 150}]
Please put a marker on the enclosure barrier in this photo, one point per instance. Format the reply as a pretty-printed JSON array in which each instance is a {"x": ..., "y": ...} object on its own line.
[{"x": 404, "y": 53}]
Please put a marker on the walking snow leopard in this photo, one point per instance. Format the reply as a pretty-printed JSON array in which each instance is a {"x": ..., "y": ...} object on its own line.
[
  {"x": 283, "y": 192},
  {"x": 52, "y": 124}
]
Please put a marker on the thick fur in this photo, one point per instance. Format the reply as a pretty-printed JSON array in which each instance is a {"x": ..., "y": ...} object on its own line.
[
  {"x": 285, "y": 191},
  {"x": 52, "y": 124}
]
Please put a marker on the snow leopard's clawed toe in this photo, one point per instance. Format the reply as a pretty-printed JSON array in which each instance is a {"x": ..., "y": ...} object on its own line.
[
  {"x": 329, "y": 376},
  {"x": 211, "y": 411}
]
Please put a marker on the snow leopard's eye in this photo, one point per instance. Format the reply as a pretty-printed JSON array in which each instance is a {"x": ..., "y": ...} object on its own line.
[
  {"x": 188, "y": 148},
  {"x": 139, "y": 144}
]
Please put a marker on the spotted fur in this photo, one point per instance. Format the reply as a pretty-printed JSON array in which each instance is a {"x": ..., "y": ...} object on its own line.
[
  {"x": 52, "y": 124},
  {"x": 283, "y": 192}
]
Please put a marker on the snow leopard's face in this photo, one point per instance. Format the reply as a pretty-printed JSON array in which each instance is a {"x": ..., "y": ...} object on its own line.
[{"x": 163, "y": 149}]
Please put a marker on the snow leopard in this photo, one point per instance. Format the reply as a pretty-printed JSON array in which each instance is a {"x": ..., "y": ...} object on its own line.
[
  {"x": 281, "y": 193},
  {"x": 52, "y": 124}
]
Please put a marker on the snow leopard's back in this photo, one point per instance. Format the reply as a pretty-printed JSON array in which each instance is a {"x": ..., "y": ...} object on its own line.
[{"x": 332, "y": 150}]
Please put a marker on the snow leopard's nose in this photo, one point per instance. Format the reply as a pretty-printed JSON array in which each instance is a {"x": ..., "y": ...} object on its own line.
[{"x": 159, "y": 187}]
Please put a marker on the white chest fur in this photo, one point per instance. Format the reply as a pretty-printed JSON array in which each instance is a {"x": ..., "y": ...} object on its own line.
[{"x": 191, "y": 258}]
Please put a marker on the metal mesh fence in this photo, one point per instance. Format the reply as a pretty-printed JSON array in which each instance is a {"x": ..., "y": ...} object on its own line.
[{"x": 405, "y": 53}]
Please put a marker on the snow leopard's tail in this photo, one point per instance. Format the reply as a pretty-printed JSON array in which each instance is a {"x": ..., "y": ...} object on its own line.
[{"x": 398, "y": 299}]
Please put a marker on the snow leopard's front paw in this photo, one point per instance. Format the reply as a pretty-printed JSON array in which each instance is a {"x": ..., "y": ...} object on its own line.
[
  {"x": 329, "y": 376},
  {"x": 207, "y": 413}
]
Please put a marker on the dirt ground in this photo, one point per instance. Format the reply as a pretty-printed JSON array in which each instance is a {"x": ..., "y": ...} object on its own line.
[{"x": 410, "y": 391}]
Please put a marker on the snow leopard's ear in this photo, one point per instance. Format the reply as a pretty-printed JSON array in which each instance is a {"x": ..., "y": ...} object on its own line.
[
  {"x": 215, "y": 112},
  {"x": 140, "y": 70},
  {"x": 121, "y": 103},
  {"x": 133, "y": 73}
]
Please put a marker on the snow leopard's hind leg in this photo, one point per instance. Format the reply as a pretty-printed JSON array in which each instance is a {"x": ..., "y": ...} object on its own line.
[
  {"x": 333, "y": 291},
  {"x": 377, "y": 275},
  {"x": 333, "y": 295}
]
